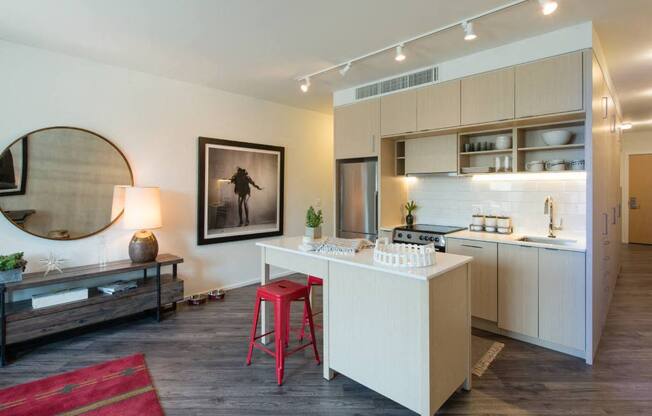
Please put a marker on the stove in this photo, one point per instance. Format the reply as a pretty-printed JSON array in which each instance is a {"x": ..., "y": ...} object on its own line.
[{"x": 424, "y": 234}]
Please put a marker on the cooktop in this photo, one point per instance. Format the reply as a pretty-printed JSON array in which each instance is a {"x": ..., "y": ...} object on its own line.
[{"x": 428, "y": 228}]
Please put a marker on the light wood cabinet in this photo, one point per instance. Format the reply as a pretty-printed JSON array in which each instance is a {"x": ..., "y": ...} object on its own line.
[
  {"x": 561, "y": 297},
  {"x": 438, "y": 106},
  {"x": 518, "y": 293},
  {"x": 488, "y": 97},
  {"x": 357, "y": 129},
  {"x": 548, "y": 86},
  {"x": 398, "y": 113},
  {"x": 484, "y": 275},
  {"x": 431, "y": 154}
]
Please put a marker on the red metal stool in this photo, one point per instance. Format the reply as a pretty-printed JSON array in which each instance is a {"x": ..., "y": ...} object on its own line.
[
  {"x": 312, "y": 281},
  {"x": 281, "y": 293}
]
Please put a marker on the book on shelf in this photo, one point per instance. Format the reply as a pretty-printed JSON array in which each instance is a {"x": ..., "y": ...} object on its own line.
[
  {"x": 118, "y": 287},
  {"x": 57, "y": 298}
]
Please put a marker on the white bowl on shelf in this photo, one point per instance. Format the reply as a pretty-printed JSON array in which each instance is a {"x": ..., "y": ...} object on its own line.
[
  {"x": 503, "y": 142},
  {"x": 557, "y": 137}
]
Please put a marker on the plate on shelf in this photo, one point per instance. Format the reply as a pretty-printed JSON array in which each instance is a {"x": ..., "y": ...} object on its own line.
[{"x": 478, "y": 169}]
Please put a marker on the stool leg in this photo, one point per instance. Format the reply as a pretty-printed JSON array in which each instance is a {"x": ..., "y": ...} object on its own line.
[
  {"x": 254, "y": 327},
  {"x": 279, "y": 339},
  {"x": 312, "y": 330},
  {"x": 287, "y": 325},
  {"x": 302, "y": 333}
]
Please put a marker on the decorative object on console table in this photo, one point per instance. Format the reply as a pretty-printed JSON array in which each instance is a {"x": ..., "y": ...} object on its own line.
[
  {"x": 142, "y": 212},
  {"x": 53, "y": 263},
  {"x": 12, "y": 268},
  {"x": 410, "y": 207},
  {"x": 314, "y": 220},
  {"x": 240, "y": 193}
]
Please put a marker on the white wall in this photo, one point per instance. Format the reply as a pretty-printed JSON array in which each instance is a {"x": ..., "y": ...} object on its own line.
[
  {"x": 156, "y": 122},
  {"x": 634, "y": 142},
  {"x": 451, "y": 201}
]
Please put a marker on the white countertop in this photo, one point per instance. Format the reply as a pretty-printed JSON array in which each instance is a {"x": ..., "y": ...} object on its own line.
[
  {"x": 364, "y": 258},
  {"x": 513, "y": 239}
]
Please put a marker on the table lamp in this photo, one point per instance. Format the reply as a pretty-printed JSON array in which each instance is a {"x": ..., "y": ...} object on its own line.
[{"x": 142, "y": 212}]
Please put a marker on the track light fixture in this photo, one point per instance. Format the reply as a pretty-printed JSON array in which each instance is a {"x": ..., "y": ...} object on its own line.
[
  {"x": 345, "y": 69},
  {"x": 306, "y": 84},
  {"x": 469, "y": 33},
  {"x": 400, "y": 56},
  {"x": 548, "y": 6}
]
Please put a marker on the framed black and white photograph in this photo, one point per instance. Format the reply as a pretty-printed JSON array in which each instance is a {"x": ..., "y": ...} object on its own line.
[
  {"x": 240, "y": 191},
  {"x": 13, "y": 168}
]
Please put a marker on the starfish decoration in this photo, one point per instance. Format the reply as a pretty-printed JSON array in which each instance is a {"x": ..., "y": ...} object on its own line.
[{"x": 53, "y": 263}]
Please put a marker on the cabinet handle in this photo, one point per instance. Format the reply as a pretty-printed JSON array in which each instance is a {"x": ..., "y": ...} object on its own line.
[
  {"x": 550, "y": 249},
  {"x": 373, "y": 143},
  {"x": 613, "y": 222},
  {"x": 620, "y": 209},
  {"x": 605, "y": 106},
  {"x": 606, "y": 224},
  {"x": 470, "y": 246}
]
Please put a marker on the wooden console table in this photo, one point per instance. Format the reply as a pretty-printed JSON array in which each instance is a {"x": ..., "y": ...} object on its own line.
[{"x": 20, "y": 322}]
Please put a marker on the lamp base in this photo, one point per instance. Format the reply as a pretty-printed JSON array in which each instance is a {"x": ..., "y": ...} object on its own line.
[{"x": 143, "y": 247}]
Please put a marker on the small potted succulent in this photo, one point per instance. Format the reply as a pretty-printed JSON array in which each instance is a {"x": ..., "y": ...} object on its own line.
[
  {"x": 12, "y": 268},
  {"x": 410, "y": 207},
  {"x": 314, "y": 220}
]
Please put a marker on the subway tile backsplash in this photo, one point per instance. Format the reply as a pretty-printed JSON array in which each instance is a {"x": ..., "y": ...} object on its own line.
[{"x": 452, "y": 201}]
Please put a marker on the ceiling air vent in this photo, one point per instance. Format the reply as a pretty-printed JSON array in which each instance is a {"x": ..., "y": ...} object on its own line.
[{"x": 395, "y": 84}]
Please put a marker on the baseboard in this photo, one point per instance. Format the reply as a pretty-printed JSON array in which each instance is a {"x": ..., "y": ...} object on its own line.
[{"x": 242, "y": 284}]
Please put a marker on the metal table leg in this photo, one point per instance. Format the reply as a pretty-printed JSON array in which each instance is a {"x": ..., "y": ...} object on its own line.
[
  {"x": 3, "y": 324},
  {"x": 158, "y": 293}
]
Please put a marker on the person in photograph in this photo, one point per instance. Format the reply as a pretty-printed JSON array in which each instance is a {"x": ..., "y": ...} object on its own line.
[{"x": 242, "y": 180}]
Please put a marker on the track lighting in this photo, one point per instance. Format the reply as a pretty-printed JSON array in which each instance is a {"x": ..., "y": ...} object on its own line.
[
  {"x": 306, "y": 84},
  {"x": 399, "y": 53},
  {"x": 626, "y": 126},
  {"x": 345, "y": 69},
  {"x": 548, "y": 6},
  {"x": 469, "y": 33}
]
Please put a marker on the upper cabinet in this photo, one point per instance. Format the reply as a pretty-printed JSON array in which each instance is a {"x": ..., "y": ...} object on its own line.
[
  {"x": 438, "y": 106},
  {"x": 488, "y": 97},
  {"x": 431, "y": 154},
  {"x": 549, "y": 86},
  {"x": 398, "y": 113},
  {"x": 357, "y": 129}
]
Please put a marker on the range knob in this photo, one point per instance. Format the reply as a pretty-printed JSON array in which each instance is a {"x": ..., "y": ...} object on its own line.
[
  {"x": 400, "y": 235},
  {"x": 431, "y": 238},
  {"x": 422, "y": 237},
  {"x": 409, "y": 236},
  {"x": 436, "y": 239}
]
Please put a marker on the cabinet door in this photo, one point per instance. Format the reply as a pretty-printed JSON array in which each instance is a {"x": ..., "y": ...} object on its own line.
[
  {"x": 438, "y": 106},
  {"x": 398, "y": 113},
  {"x": 431, "y": 154},
  {"x": 549, "y": 86},
  {"x": 488, "y": 97},
  {"x": 561, "y": 297},
  {"x": 484, "y": 275},
  {"x": 518, "y": 293},
  {"x": 357, "y": 129}
]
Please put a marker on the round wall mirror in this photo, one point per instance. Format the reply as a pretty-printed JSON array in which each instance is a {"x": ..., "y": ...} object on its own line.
[{"x": 62, "y": 183}]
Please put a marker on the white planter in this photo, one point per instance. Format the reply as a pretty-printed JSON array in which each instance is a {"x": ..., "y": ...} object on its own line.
[
  {"x": 10, "y": 276},
  {"x": 313, "y": 233}
]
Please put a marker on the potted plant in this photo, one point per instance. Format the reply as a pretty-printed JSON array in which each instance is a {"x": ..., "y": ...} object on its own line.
[
  {"x": 314, "y": 220},
  {"x": 409, "y": 207},
  {"x": 12, "y": 268}
]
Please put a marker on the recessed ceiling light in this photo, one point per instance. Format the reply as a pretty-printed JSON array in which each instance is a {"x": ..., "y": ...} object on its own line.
[
  {"x": 400, "y": 56},
  {"x": 345, "y": 69},
  {"x": 306, "y": 84},
  {"x": 469, "y": 33},
  {"x": 626, "y": 126},
  {"x": 548, "y": 6}
]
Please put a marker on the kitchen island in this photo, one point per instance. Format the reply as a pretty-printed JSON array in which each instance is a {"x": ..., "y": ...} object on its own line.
[{"x": 402, "y": 332}]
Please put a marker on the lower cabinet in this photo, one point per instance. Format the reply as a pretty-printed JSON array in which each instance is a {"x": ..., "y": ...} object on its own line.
[
  {"x": 562, "y": 297},
  {"x": 484, "y": 275},
  {"x": 518, "y": 291}
]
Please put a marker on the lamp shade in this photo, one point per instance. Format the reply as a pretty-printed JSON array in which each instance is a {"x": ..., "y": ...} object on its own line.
[
  {"x": 118, "y": 204},
  {"x": 142, "y": 208}
]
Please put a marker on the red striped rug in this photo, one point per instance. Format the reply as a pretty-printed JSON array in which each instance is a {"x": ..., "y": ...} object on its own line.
[{"x": 120, "y": 387}]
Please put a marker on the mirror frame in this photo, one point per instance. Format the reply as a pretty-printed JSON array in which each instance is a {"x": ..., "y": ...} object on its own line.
[{"x": 25, "y": 137}]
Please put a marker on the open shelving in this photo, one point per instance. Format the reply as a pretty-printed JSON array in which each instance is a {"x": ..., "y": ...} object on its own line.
[{"x": 484, "y": 158}]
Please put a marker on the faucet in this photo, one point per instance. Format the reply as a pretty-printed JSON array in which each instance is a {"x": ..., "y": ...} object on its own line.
[{"x": 548, "y": 209}]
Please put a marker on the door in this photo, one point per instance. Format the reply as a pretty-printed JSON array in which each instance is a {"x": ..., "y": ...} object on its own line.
[
  {"x": 398, "y": 113},
  {"x": 357, "y": 129},
  {"x": 488, "y": 97},
  {"x": 484, "y": 275},
  {"x": 357, "y": 198},
  {"x": 518, "y": 289},
  {"x": 640, "y": 199},
  {"x": 438, "y": 106}
]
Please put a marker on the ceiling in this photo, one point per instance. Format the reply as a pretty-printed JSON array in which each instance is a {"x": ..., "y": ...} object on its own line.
[{"x": 258, "y": 48}]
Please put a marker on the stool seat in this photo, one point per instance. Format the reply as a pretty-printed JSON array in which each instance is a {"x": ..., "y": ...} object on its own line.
[{"x": 281, "y": 293}]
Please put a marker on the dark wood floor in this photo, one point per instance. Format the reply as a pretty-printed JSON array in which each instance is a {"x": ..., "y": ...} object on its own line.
[{"x": 196, "y": 358}]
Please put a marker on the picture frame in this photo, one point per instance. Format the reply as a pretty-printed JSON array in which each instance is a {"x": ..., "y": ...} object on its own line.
[
  {"x": 13, "y": 168},
  {"x": 240, "y": 190}
]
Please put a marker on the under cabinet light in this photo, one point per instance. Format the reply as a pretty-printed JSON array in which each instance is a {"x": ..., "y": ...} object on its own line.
[
  {"x": 525, "y": 176},
  {"x": 626, "y": 126}
]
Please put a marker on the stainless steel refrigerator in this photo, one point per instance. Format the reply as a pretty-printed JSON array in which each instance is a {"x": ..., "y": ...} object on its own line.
[{"x": 357, "y": 198}]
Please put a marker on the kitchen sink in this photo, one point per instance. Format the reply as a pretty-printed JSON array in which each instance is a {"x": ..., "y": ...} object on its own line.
[{"x": 547, "y": 240}]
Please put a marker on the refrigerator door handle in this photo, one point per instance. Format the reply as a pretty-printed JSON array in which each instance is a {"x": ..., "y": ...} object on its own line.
[{"x": 376, "y": 219}]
